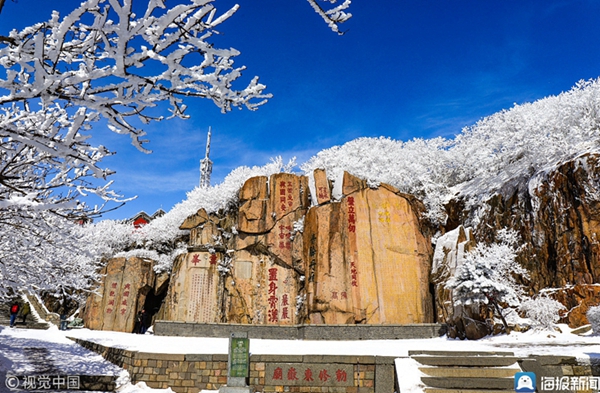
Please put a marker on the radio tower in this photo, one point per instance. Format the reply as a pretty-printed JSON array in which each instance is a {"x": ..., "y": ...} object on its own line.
[{"x": 206, "y": 165}]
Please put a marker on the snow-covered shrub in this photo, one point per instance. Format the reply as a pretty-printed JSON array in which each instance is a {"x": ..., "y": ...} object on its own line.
[
  {"x": 593, "y": 316},
  {"x": 542, "y": 311},
  {"x": 488, "y": 274}
]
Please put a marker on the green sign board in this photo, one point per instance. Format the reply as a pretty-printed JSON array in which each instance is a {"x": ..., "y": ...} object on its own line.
[{"x": 239, "y": 357}]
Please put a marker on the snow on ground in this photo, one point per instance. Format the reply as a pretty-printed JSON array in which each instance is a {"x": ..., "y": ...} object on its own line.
[
  {"x": 18, "y": 357},
  {"x": 522, "y": 344}
]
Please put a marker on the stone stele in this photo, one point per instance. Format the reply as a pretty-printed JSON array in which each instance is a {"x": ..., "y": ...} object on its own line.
[{"x": 126, "y": 282}]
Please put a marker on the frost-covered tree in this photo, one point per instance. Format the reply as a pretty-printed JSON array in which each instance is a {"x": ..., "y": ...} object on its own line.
[
  {"x": 107, "y": 64},
  {"x": 593, "y": 316},
  {"x": 488, "y": 275},
  {"x": 543, "y": 311}
]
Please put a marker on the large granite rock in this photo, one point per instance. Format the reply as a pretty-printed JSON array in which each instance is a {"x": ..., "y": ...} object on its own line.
[
  {"x": 361, "y": 259},
  {"x": 122, "y": 293},
  {"x": 193, "y": 289},
  {"x": 367, "y": 260}
]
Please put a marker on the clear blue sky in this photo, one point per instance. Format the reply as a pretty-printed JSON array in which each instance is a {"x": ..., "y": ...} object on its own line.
[{"x": 404, "y": 69}]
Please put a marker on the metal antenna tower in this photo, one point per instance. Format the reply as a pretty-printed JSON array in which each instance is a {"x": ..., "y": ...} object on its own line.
[{"x": 206, "y": 165}]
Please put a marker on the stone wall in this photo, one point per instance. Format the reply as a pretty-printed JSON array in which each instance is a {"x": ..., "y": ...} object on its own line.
[
  {"x": 191, "y": 373},
  {"x": 302, "y": 332}
]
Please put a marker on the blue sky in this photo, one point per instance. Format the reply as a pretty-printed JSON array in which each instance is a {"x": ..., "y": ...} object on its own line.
[{"x": 404, "y": 69}]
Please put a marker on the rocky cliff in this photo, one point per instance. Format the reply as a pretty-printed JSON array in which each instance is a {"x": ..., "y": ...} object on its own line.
[{"x": 557, "y": 216}]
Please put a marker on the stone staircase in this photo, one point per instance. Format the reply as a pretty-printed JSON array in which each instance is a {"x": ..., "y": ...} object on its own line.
[{"x": 467, "y": 372}]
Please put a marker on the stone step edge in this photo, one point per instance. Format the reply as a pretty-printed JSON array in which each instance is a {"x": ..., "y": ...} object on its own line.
[
  {"x": 485, "y": 372},
  {"x": 439, "y": 390},
  {"x": 459, "y": 353},
  {"x": 477, "y": 362}
]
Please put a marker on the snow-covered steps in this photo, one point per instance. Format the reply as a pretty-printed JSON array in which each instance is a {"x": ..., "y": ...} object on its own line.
[{"x": 467, "y": 372}]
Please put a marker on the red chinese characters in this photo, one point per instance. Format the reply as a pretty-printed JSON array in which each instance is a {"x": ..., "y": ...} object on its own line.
[
  {"x": 335, "y": 295},
  {"x": 285, "y": 234},
  {"x": 286, "y": 195},
  {"x": 310, "y": 375},
  {"x": 322, "y": 192},
  {"x": 285, "y": 304},
  {"x": 324, "y": 376},
  {"x": 273, "y": 313},
  {"x": 354, "y": 273},
  {"x": 292, "y": 374},
  {"x": 282, "y": 197},
  {"x": 112, "y": 298},
  {"x": 351, "y": 215},
  {"x": 195, "y": 259}
]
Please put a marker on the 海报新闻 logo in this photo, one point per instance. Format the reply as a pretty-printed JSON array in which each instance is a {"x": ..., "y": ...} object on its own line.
[{"x": 525, "y": 382}]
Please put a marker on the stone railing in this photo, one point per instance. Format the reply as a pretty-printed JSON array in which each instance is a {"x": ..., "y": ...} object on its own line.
[
  {"x": 187, "y": 373},
  {"x": 302, "y": 332}
]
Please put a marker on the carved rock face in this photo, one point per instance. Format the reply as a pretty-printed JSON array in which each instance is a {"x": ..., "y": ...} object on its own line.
[
  {"x": 122, "y": 294},
  {"x": 363, "y": 259},
  {"x": 367, "y": 260}
]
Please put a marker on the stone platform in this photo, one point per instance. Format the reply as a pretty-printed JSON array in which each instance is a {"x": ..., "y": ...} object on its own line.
[{"x": 301, "y": 332}]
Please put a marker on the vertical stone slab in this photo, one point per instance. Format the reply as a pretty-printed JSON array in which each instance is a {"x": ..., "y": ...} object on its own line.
[
  {"x": 255, "y": 208},
  {"x": 288, "y": 193},
  {"x": 261, "y": 291},
  {"x": 201, "y": 287},
  {"x": 392, "y": 259},
  {"x": 322, "y": 189},
  {"x": 366, "y": 260},
  {"x": 123, "y": 292},
  {"x": 329, "y": 295},
  {"x": 174, "y": 306}
]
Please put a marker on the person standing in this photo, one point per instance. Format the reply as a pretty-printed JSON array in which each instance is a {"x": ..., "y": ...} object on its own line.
[
  {"x": 25, "y": 311},
  {"x": 14, "y": 311},
  {"x": 144, "y": 322}
]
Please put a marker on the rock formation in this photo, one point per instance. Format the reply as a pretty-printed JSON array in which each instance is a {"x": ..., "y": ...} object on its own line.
[
  {"x": 299, "y": 250},
  {"x": 557, "y": 215},
  {"x": 279, "y": 260},
  {"x": 126, "y": 284}
]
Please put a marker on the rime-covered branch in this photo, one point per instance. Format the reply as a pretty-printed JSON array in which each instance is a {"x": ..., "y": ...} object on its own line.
[
  {"x": 103, "y": 64},
  {"x": 335, "y": 16}
]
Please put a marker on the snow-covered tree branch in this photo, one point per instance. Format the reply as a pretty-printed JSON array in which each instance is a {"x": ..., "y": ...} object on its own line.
[
  {"x": 333, "y": 16},
  {"x": 103, "y": 64}
]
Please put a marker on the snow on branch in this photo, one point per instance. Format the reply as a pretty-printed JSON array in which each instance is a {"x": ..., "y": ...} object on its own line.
[
  {"x": 334, "y": 16},
  {"x": 102, "y": 62}
]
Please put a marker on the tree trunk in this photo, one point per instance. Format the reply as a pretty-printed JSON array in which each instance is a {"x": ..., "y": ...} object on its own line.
[{"x": 501, "y": 316}]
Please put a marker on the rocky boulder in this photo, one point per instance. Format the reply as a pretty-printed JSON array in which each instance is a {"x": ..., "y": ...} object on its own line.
[{"x": 122, "y": 293}]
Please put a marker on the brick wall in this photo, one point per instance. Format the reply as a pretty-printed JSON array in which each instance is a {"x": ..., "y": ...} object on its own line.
[{"x": 268, "y": 373}]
